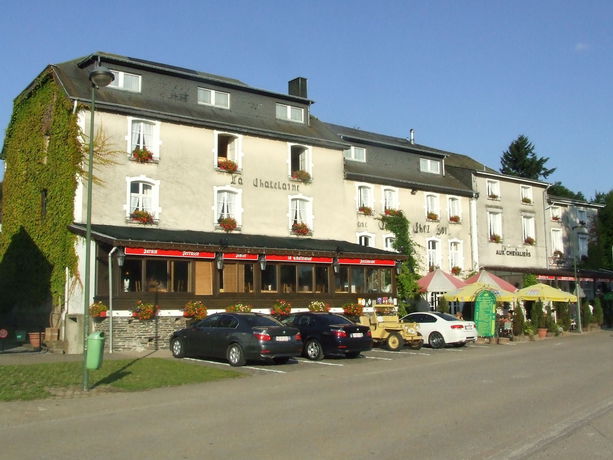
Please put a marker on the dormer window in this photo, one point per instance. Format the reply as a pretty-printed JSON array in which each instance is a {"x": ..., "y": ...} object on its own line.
[
  {"x": 215, "y": 98},
  {"x": 290, "y": 113},
  {"x": 355, "y": 154},
  {"x": 126, "y": 81},
  {"x": 429, "y": 166}
]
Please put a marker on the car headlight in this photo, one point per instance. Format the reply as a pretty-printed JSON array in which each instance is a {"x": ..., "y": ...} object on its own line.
[{"x": 410, "y": 330}]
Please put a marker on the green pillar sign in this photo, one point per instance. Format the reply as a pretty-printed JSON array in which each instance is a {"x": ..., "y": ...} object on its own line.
[{"x": 485, "y": 313}]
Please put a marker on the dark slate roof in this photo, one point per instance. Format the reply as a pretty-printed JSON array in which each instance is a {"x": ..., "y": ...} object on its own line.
[
  {"x": 395, "y": 161},
  {"x": 169, "y": 93},
  {"x": 151, "y": 237}
]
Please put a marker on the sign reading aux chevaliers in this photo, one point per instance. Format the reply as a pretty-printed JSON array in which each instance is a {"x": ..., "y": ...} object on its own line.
[{"x": 485, "y": 313}]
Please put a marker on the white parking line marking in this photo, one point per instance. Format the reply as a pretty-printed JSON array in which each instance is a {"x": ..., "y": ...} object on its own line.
[
  {"x": 376, "y": 357},
  {"x": 244, "y": 367},
  {"x": 400, "y": 352},
  {"x": 319, "y": 362}
]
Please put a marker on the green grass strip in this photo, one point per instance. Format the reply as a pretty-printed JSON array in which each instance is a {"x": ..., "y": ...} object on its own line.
[{"x": 34, "y": 381}]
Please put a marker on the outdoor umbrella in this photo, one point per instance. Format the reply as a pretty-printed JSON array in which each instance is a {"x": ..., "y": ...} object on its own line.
[
  {"x": 439, "y": 281},
  {"x": 545, "y": 292},
  {"x": 489, "y": 278},
  {"x": 468, "y": 293}
]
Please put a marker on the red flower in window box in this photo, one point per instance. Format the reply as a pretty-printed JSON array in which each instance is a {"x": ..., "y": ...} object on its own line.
[
  {"x": 530, "y": 241},
  {"x": 555, "y": 218},
  {"x": 98, "y": 310},
  {"x": 194, "y": 309},
  {"x": 227, "y": 223},
  {"x": 454, "y": 219},
  {"x": 366, "y": 210},
  {"x": 456, "y": 270},
  {"x": 392, "y": 212},
  {"x": 227, "y": 165},
  {"x": 495, "y": 238},
  {"x": 142, "y": 155},
  {"x": 302, "y": 176},
  {"x": 354, "y": 310},
  {"x": 432, "y": 216},
  {"x": 144, "y": 311},
  {"x": 281, "y": 308},
  {"x": 301, "y": 229},
  {"x": 140, "y": 216}
]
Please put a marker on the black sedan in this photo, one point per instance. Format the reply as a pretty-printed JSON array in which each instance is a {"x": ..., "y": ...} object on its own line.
[
  {"x": 238, "y": 337},
  {"x": 330, "y": 334}
]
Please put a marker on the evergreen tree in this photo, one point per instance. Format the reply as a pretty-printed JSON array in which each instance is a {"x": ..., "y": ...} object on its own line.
[
  {"x": 557, "y": 189},
  {"x": 520, "y": 160}
]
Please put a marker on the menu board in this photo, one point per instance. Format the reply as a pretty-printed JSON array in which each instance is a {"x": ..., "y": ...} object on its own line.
[{"x": 485, "y": 313}]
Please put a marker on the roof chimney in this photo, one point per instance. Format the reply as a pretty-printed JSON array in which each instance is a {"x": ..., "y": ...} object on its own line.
[
  {"x": 412, "y": 136},
  {"x": 298, "y": 87}
]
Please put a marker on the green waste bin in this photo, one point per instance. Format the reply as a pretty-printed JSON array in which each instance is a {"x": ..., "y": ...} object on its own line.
[
  {"x": 95, "y": 350},
  {"x": 20, "y": 336}
]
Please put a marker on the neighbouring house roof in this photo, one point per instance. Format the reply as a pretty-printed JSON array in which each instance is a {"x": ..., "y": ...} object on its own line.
[{"x": 150, "y": 237}]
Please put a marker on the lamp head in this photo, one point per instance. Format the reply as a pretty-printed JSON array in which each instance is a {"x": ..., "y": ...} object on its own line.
[{"x": 100, "y": 76}]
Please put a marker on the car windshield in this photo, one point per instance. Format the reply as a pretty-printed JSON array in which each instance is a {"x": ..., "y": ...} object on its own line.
[
  {"x": 447, "y": 316},
  {"x": 261, "y": 320},
  {"x": 334, "y": 319}
]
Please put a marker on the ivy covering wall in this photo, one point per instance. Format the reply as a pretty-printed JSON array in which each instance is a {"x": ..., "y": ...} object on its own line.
[{"x": 42, "y": 154}]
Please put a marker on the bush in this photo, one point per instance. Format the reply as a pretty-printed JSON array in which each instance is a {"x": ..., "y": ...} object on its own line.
[
  {"x": 550, "y": 323},
  {"x": 598, "y": 312},
  {"x": 443, "y": 305},
  {"x": 586, "y": 314},
  {"x": 537, "y": 316},
  {"x": 563, "y": 314},
  {"x": 518, "y": 321}
]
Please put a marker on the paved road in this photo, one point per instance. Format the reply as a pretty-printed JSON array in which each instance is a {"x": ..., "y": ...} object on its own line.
[{"x": 546, "y": 399}]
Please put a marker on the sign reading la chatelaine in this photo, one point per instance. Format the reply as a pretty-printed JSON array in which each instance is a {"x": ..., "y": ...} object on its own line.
[{"x": 513, "y": 252}]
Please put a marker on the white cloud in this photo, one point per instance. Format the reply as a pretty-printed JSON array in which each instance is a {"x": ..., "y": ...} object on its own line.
[{"x": 581, "y": 47}]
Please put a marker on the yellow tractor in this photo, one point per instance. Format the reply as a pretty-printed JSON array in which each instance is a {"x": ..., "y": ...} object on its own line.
[{"x": 387, "y": 330}]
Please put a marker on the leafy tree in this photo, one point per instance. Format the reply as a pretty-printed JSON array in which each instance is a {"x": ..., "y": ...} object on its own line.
[
  {"x": 520, "y": 160},
  {"x": 443, "y": 305},
  {"x": 598, "y": 312},
  {"x": 518, "y": 320},
  {"x": 563, "y": 314},
  {"x": 601, "y": 243},
  {"x": 586, "y": 314},
  {"x": 557, "y": 189},
  {"x": 529, "y": 279}
]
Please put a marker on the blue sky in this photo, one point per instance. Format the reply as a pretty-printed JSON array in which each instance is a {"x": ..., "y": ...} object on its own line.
[{"x": 468, "y": 75}]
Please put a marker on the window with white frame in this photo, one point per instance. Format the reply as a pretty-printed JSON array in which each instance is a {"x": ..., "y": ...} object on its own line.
[
  {"x": 556, "y": 213},
  {"x": 582, "y": 241},
  {"x": 290, "y": 113},
  {"x": 493, "y": 189},
  {"x": 557, "y": 242},
  {"x": 432, "y": 206},
  {"x": 144, "y": 136},
  {"x": 126, "y": 81},
  {"x": 582, "y": 216},
  {"x": 455, "y": 255},
  {"x": 390, "y": 198},
  {"x": 454, "y": 210},
  {"x": 434, "y": 256},
  {"x": 355, "y": 154},
  {"x": 365, "y": 198},
  {"x": 213, "y": 97},
  {"x": 142, "y": 195},
  {"x": 299, "y": 162},
  {"x": 526, "y": 194},
  {"x": 494, "y": 226},
  {"x": 228, "y": 147},
  {"x": 388, "y": 242},
  {"x": 366, "y": 239},
  {"x": 528, "y": 230},
  {"x": 301, "y": 211},
  {"x": 228, "y": 204},
  {"x": 428, "y": 165}
]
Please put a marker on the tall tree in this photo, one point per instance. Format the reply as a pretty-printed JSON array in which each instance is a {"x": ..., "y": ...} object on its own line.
[{"x": 520, "y": 160}]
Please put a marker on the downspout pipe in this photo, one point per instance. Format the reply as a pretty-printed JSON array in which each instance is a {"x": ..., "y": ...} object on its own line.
[{"x": 111, "y": 298}]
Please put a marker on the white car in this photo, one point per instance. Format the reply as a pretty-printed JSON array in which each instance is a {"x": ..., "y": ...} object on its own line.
[{"x": 440, "y": 329}]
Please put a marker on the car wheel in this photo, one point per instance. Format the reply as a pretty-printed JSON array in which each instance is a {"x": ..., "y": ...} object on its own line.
[
  {"x": 353, "y": 354},
  {"x": 313, "y": 350},
  {"x": 394, "y": 342},
  {"x": 235, "y": 355},
  {"x": 436, "y": 340},
  {"x": 178, "y": 348},
  {"x": 416, "y": 344},
  {"x": 281, "y": 360}
]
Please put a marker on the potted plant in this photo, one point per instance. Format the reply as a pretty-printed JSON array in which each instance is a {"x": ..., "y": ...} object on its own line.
[
  {"x": 454, "y": 219},
  {"x": 281, "y": 309},
  {"x": 494, "y": 238},
  {"x": 318, "y": 305},
  {"x": 558, "y": 254},
  {"x": 555, "y": 218},
  {"x": 141, "y": 216},
  {"x": 530, "y": 241},
  {"x": 456, "y": 270},
  {"x": 239, "y": 308},
  {"x": 142, "y": 155},
  {"x": 301, "y": 229},
  {"x": 227, "y": 223},
  {"x": 432, "y": 216},
  {"x": 526, "y": 200},
  {"x": 194, "y": 309},
  {"x": 144, "y": 311},
  {"x": 98, "y": 310},
  {"x": 366, "y": 210},
  {"x": 353, "y": 310},
  {"x": 539, "y": 321},
  {"x": 392, "y": 212},
  {"x": 226, "y": 165},
  {"x": 493, "y": 196},
  {"x": 302, "y": 176}
]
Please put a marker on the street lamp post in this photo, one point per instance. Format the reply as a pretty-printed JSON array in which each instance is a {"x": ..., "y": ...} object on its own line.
[
  {"x": 575, "y": 255},
  {"x": 99, "y": 77}
]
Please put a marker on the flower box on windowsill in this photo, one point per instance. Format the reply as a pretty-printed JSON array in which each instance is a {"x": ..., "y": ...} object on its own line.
[
  {"x": 456, "y": 270},
  {"x": 392, "y": 212},
  {"x": 301, "y": 176},
  {"x": 555, "y": 218},
  {"x": 526, "y": 200},
  {"x": 227, "y": 224},
  {"x": 142, "y": 217},
  {"x": 432, "y": 216},
  {"x": 454, "y": 219},
  {"x": 227, "y": 166},
  {"x": 530, "y": 241},
  {"x": 366, "y": 210},
  {"x": 495, "y": 239},
  {"x": 493, "y": 196},
  {"x": 142, "y": 155},
  {"x": 301, "y": 230}
]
